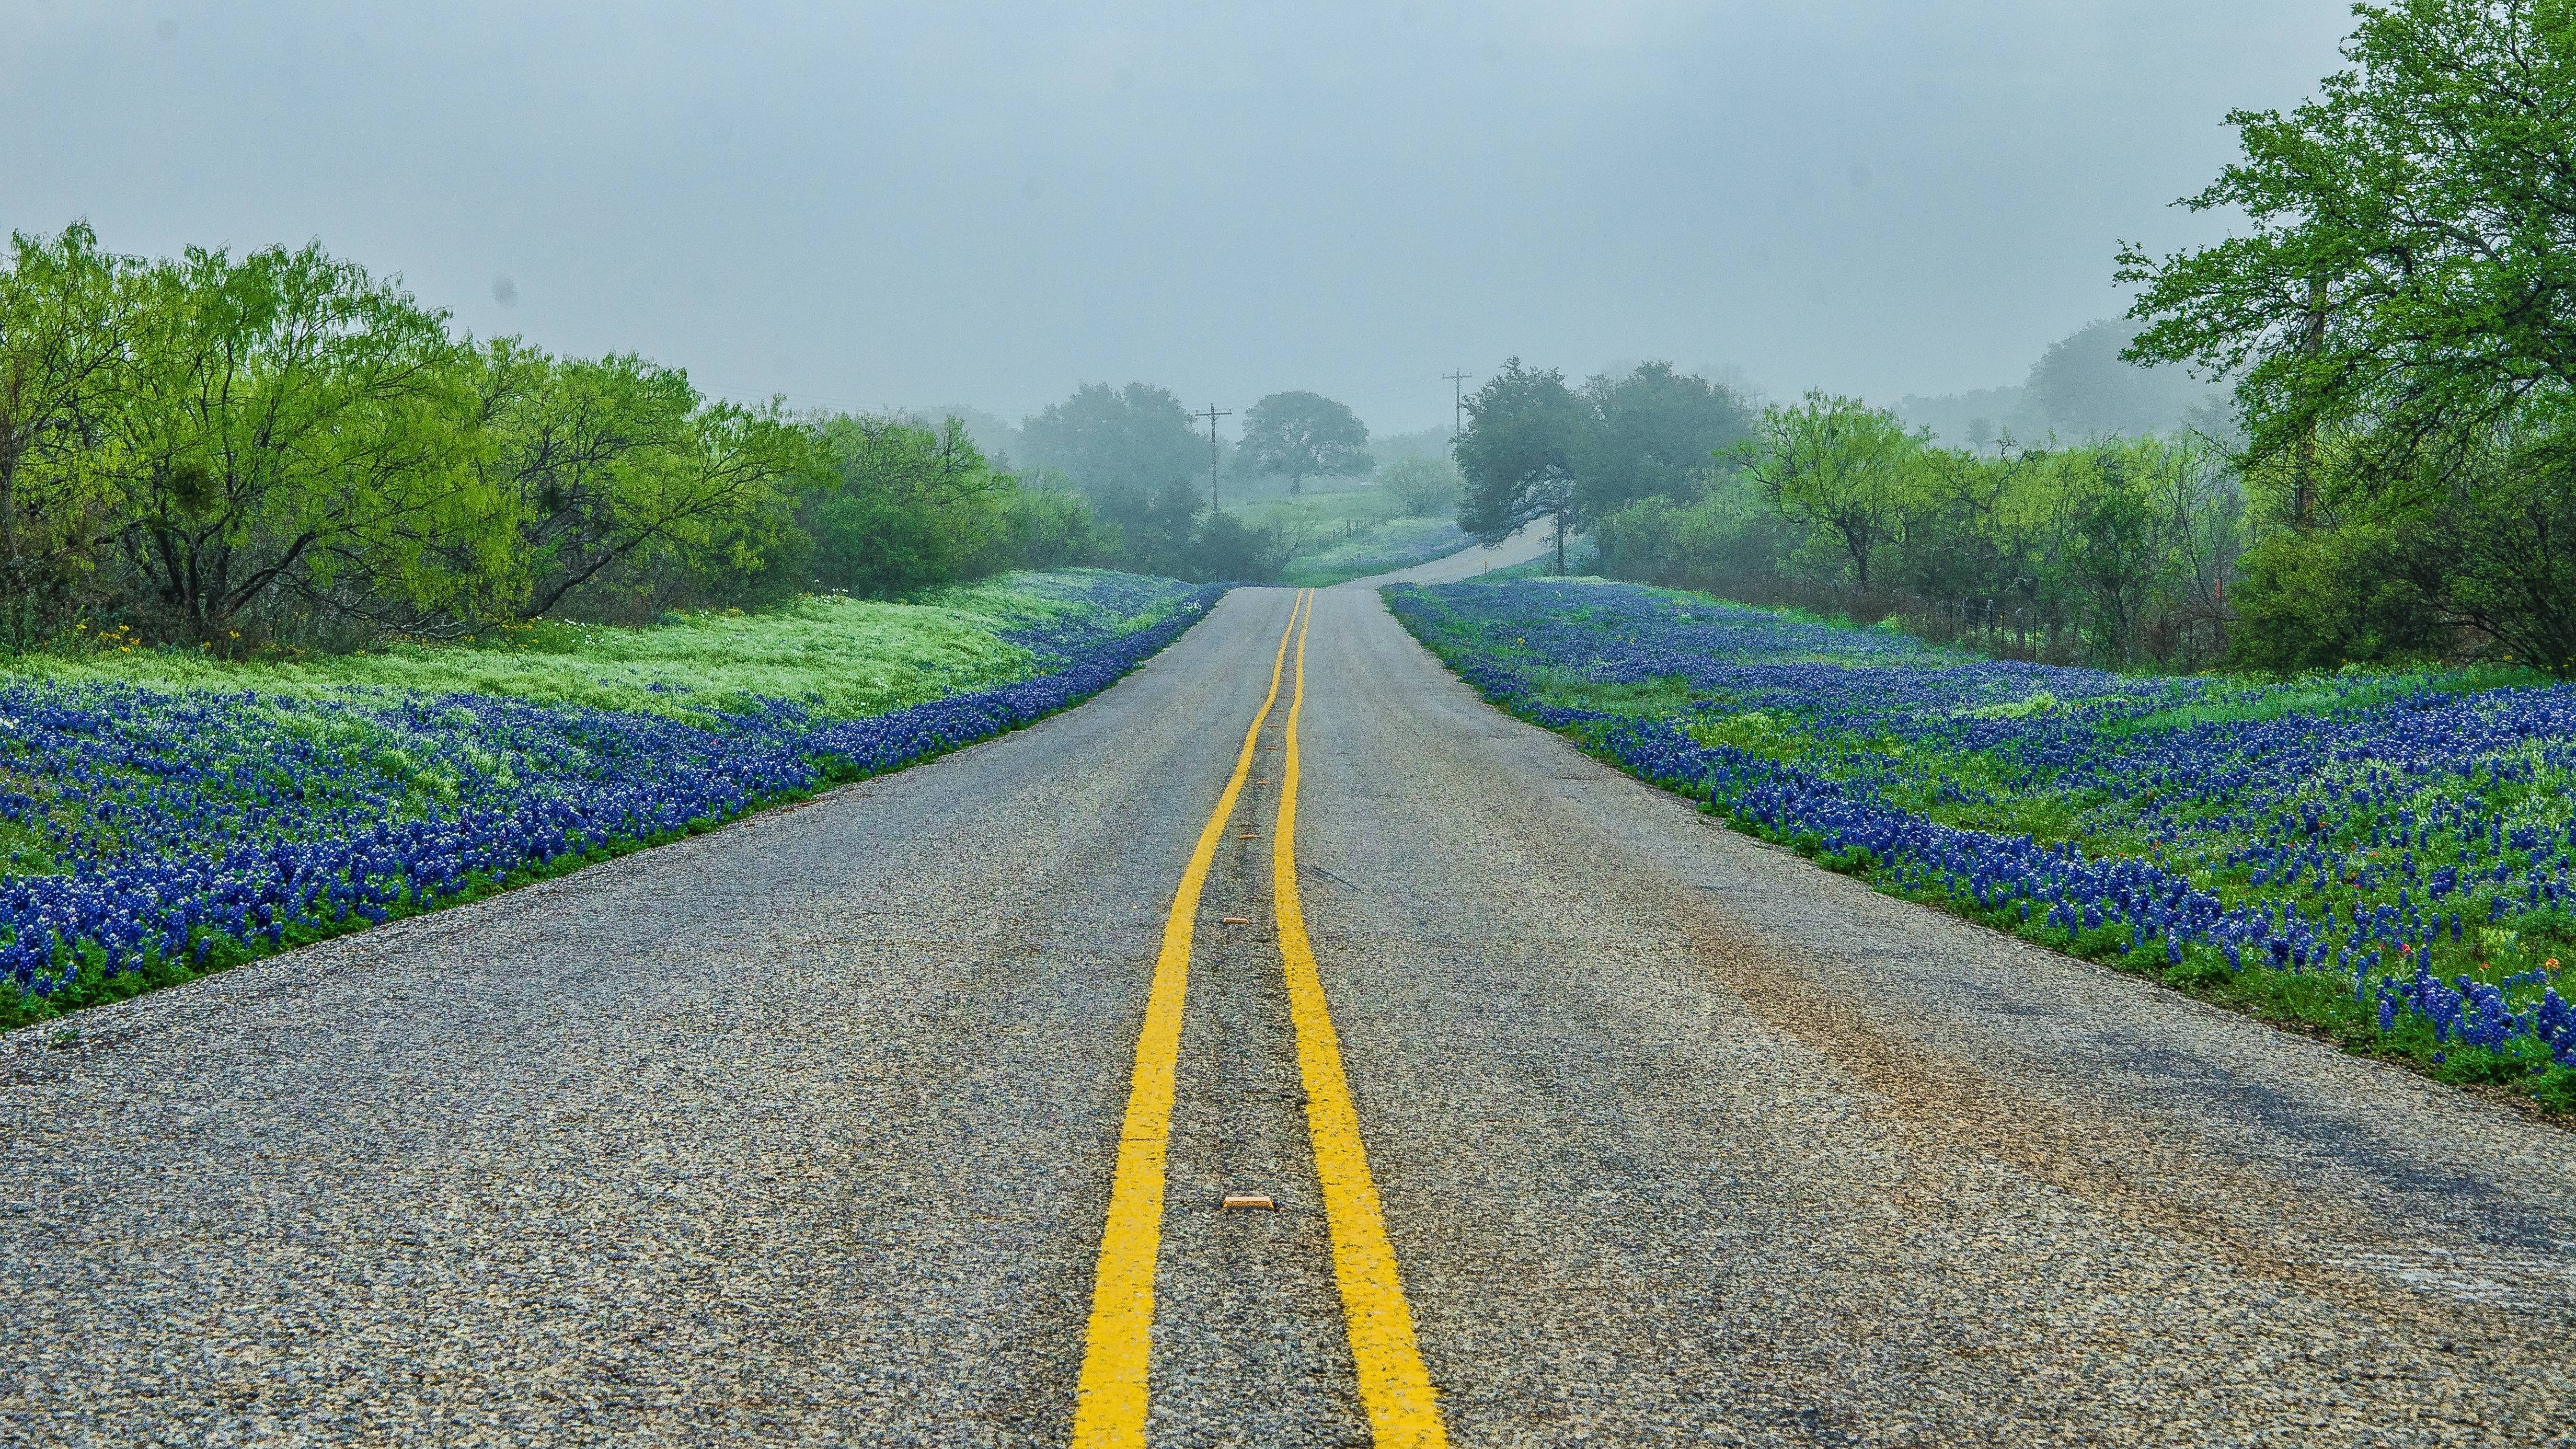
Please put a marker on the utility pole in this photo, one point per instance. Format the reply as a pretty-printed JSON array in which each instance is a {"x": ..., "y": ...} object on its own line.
[
  {"x": 1457, "y": 404},
  {"x": 1212, "y": 414}
]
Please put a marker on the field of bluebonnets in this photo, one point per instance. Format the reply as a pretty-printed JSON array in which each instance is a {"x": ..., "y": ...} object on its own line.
[
  {"x": 2383, "y": 858},
  {"x": 162, "y": 815}
]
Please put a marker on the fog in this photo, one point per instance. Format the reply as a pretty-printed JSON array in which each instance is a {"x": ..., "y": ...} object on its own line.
[{"x": 883, "y": 207}]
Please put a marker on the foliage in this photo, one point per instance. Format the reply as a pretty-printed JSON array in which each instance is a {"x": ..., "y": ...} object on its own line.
[
  {"x": 1534, "y": 448},
  {"x": 1303, "y": 435},
  {"x": 150, "y": 832},
  {"x": 2118, "y": 551},
  {"x": 619, "y": 461},
  {"x": 1653, "y": 432},
  {"x": 1839, "y": 467},
  {"x": 1426, "y": 486},
  {"x": 2397, "y": 317},
  {"x": 288, "y": 426},
  {"x": 2385, "y": 858},
  {"x": 278, "y": 450},
  {"x": 1137, "y": 437},
  {"x": 1728, "y": 538},
  {"x": 1525, "y": 431},
  {"x": 2409, "y": 258},
  {"x": 914, "y": 506},
  {"x": 61, "y": 358}
]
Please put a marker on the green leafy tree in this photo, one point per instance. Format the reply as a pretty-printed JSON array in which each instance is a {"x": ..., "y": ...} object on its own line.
[
  {"x": 624, "y": 479},
  {"x": 1102, "y": 437},
  {"x": 2116, "y": 558},
  {"x": 911, "y": 506},
  {"x": 1051, "y": 526},
  {"x": 1655, "y": 430},
  {"x": 1304, "y": 435},
  {"x": 295, "y": 427},
  {"x": 1525, "y": 432},
  {"x": 2412, "y": 248},
  {"x": 64, "y": 352},
  {"x": 1729, "y": 539},
  {"x": 2398, "y": 308},
  {"x": 1840, "y": 467},
  {"x": 1228, "y": 548}
]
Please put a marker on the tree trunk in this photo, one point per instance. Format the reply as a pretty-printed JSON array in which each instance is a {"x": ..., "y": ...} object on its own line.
[{"x": 2312, "y": 341}]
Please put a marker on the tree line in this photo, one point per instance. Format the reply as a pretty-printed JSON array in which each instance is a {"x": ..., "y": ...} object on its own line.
[
  {"x": 2395, "y": 481},
  {"x": 234, "y": 451},
  {"x": 2117, "y": 549},
  {"x": 215, "y": 449}
]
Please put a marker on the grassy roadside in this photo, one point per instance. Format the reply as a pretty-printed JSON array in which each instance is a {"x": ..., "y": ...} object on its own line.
[
  {"x": 845, "y": 658},
  {"x": 2383, "y": 860},
  {"x": 163, "y": 816}
]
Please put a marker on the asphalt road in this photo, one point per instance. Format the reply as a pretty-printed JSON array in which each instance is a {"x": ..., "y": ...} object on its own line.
[{"x": 803, "y": 1131}]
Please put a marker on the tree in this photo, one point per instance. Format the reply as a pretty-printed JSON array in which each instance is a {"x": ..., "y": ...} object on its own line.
[
  {"x": 2412, "y": 256},
  {"x": 909, "y": 505},
  {"x": 1840, "y": 467},
  {"x": 1525, "y": 430},
  {"x": 1654, "y": 430},
  {"x": 64, "y": 352},
  {"x": 1426, "y": 486},
  {"x": 2086, "y": 389},
  {"x": 1050, "y": 526},
  {"x": 2398, "y": 311},
  {"x": 1304, "y": 434},
  {"x": 1137, "y": 436},
  {"x": 2116, "y": 552},
  {"x": 620, "y": 463},
  {"x": 293, "y": 425}
]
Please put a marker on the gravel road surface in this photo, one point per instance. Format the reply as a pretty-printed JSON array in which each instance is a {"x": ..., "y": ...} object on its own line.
[{"x": 801, "y": 1132}]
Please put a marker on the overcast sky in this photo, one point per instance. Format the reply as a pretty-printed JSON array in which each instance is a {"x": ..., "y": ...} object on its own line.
[{"x": 869, "y": 206}]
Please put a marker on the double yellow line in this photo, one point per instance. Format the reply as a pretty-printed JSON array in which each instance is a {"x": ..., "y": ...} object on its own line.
[{"x": 1117, "y": 1355}]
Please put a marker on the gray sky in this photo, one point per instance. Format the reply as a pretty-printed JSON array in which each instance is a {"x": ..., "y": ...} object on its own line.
[{"x": 861, "y": 205}]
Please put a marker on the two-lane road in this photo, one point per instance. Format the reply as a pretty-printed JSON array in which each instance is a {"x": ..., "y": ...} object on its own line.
[{"x": 805, "y": 1131}]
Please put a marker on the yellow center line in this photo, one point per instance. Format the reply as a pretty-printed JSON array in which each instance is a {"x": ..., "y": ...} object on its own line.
[
  {"x": 1394, "y": 1387},
  {"x": 1118, "y": 1352}
]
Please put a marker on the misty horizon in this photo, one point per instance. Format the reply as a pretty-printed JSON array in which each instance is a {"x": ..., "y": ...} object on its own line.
[{"x": 984, "y": 208}]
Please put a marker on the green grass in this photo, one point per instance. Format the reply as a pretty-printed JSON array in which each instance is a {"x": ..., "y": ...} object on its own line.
[
  {"x": 843, "y": 657},
  {"x": 2089, "y": 769},
  {"x": 2251, "y": 700},
  {"x": 1383, "y": 548},
  {"x": 1335, "y": 507},
  {"x": 1352, "y": 532},
  {"x": 305, "y": 744}
]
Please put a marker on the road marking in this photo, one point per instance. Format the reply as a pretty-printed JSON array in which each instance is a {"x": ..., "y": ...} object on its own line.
[
  {"x": 1109, "y": 1407},
  {"x": 1394, "y": 1387}
]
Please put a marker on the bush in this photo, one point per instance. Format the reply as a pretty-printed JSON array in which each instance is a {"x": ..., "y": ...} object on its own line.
[
  {"x": 1426, "y": 486},
  {"x": 2320, "y": 599}
]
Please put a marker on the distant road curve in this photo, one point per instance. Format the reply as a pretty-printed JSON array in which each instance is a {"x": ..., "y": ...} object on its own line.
[
  {"x": 804, "y": 1130},
  {"x": 1533, "y": 541}
]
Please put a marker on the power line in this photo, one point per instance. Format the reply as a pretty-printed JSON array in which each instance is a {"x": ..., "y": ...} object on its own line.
[
  {"x": 1212, "y": 414},
  {"x": 1457, "y": 404}
]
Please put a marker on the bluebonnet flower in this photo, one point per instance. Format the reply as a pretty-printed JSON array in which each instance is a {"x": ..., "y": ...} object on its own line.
[
  {"x": 186, "y": 823},
  {"x": 2282, "y": 835}
]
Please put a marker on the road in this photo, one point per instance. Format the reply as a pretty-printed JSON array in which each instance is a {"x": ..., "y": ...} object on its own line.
[
  {"x": 805, "y": 1131},
  {"x": 1532, "y": 541}
]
